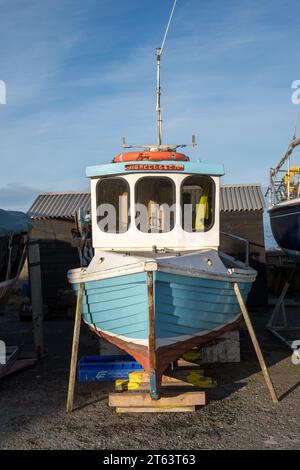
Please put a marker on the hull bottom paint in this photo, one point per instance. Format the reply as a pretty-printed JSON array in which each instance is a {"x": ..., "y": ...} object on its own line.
[{"x": 164, "y": 355}]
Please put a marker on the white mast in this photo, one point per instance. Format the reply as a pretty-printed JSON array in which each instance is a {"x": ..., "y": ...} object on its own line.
[{"x": 158, "y": 93}]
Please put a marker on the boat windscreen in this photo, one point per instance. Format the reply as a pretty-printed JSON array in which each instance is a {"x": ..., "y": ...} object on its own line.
[
  {"x": 113, "y": 195},
  {"x": 155, "y": 204},
  {"x": 197, "y": 203}
]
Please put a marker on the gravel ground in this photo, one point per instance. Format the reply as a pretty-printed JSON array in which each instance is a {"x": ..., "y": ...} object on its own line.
[{"x": 239, "y": 413}]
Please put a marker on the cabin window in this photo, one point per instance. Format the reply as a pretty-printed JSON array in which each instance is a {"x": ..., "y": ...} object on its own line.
[
  {"x": 113, "y": 197},
  {"x": 155, "y": 204},
  {"x": 197, "y": 203}
]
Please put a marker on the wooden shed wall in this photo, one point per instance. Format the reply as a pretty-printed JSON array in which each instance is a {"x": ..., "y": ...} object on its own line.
[
  {"x": 248, "y": 225},
  {"x": 57, "y": 256},
  {"x": 52, "y": 229}
]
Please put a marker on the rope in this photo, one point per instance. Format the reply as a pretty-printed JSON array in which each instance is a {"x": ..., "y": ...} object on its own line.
[
  {"x": 297, "y": 121},
  {"x": 167, "y": 28}
]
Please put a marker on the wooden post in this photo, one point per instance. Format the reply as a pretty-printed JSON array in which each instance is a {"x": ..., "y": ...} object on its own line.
[
  {"x": 255, "y": 343},
  {"x": 154, "y": 392},
  {"x": 74, "y": 355},
  {"x": 34, "y": 267}
]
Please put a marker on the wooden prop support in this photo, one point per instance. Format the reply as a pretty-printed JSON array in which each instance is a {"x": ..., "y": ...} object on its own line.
[
  {"x": 154, "y": 392},
  {"x": 255, "y": 343},
  {"x": 74, "y": 355},
  {"x": 34, "y": 265}
]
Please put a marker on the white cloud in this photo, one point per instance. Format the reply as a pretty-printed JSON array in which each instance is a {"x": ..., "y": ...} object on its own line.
[{"x": 75, "y": 89}]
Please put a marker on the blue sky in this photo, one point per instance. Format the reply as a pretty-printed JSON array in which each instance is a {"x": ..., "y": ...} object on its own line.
[{"x": 80, "y": 74}]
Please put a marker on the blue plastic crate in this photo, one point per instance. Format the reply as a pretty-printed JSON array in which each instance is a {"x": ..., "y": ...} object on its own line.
[{"x": 105, "y": 368}]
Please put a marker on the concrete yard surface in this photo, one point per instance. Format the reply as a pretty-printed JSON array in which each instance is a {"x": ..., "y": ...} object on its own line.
[{"x": 239, "y": 413}]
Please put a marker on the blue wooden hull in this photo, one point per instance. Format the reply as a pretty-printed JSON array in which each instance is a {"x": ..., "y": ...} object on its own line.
[
  {"x": 184, "y": 306},
  {"x": 188, "y": 306},
  {"x": 118, "y": 305}
]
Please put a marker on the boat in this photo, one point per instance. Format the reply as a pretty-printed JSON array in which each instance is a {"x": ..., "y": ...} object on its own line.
[
  {"x": 284, "y": 208},
  {"x": 157, "y": 285},
  {"x": 14, "y": 229}
]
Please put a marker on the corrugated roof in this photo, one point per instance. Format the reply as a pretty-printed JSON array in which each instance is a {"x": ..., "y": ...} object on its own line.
[
  {"x": 241, "y": 197},
  {"x": 64, "y": 205},
  {"x": 59, "y": 205}
]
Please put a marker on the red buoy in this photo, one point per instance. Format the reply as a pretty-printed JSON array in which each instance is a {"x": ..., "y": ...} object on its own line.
[{"x": 152, "y": 156}]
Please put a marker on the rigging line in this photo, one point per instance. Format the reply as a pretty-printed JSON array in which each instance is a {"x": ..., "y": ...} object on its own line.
[
  {"x": 167, "y": 28},
  {"x": 297, "y": 121}
]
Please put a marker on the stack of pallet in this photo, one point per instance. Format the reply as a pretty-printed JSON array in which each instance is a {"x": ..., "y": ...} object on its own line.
[{"x": 180, "y": 392}]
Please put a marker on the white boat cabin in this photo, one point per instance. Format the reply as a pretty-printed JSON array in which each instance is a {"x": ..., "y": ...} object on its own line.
[{"x": 155, "y": 208}]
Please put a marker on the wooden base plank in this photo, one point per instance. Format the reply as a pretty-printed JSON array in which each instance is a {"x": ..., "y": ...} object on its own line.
[
  {"x": 183, "y": 364},
  {"x": 151, "y": 409},
  {"x": 142, "y": 382},
  {"x": 145, "y": 386},
  {"x": 178, "y": 376},
  {"x": 168, "y": 399}
]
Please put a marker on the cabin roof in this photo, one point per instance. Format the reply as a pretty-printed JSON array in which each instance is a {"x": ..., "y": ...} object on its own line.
[
  {"x": 64, "y": 205},
  {"x": 213, "y": 169}
]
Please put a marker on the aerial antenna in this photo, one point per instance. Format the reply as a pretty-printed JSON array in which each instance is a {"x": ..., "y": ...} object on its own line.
[
  {"x": 168, "y": 26},
  {"x": 159, "y": 51},
  {"x": 159, "y": 146}
]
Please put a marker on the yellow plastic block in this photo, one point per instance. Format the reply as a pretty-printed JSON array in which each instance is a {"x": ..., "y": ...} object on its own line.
[
  {"x": 199, "y": 372},
  {"x": 192, "y": 355},
  {"x": 199, "y": 381},
  {"x": 136, "y": 377},
  {"x": 121, "y": 384},
  {"x": 133, "y": 385}
]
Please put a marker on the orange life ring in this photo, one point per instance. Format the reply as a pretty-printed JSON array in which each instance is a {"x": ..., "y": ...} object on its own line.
[{"x": 150, "y": 156}]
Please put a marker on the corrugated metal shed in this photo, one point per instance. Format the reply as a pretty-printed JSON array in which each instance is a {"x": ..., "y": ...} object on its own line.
[
  {"x": 63, "y": 205},
  {"x": 241, "y": 197},
  {"x": 59, "y": 205}
]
